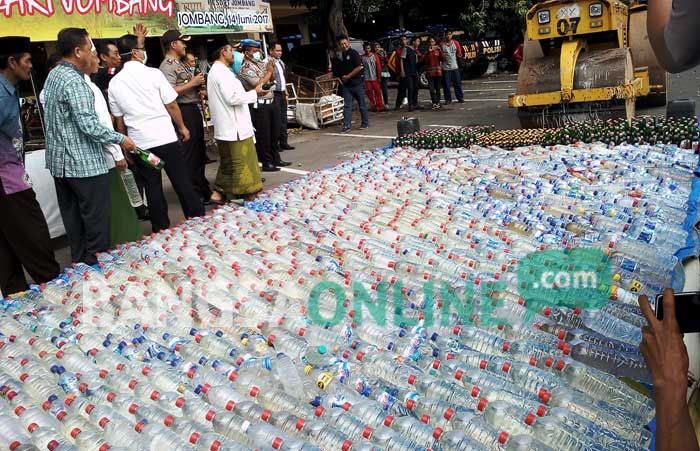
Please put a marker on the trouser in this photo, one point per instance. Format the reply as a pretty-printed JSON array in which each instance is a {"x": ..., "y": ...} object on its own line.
[
  {"x": 374, "y": 94},
  {"x": 178, "y": 174},
  {"x": 281, "y": 105},
  {"x": 434, "y": 84},
  {"x": 194, "y": 150},
  {"x": 407, "y": 89},
  {"x": 85, "y": 207},
  {"x": 452, "y": 78},
  {"x": 24, "y": 242},
  {"x": 413, "y": 94},
  {"x": 385, "y": 90},
  {"x": 356, "y": 92},
  {"x": 266, "y": 122}
]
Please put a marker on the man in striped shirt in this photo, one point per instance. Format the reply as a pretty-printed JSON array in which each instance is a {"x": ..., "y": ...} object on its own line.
[{"x": 74, "y": 156}]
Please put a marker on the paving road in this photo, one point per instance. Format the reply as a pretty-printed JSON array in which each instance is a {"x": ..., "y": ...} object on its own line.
[{"x": 485, "y": 104}]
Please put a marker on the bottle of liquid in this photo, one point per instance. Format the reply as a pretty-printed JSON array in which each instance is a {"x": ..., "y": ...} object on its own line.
[
  {"x": 132, "y": 190},
  {"x": 150, "y": 159}
]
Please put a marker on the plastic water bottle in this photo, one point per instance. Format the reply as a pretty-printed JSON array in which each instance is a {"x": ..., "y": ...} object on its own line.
[{"x": 132, "y": 190}]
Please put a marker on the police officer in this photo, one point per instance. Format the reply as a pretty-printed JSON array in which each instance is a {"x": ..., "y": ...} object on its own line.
[
  {"x": 187, "y": 85},
  {"x": 266, "y": 116}
]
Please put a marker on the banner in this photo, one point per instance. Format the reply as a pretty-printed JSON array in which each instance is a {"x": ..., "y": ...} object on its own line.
[{"x": 41, "y": 20}]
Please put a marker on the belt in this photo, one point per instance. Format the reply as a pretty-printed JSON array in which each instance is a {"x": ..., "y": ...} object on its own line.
[
  {"x": 194, "y": 104},
  {"x": 278, "y": 92}
]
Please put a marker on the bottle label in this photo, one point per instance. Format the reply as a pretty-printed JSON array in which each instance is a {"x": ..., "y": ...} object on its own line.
[
  {"x": 323, "y": 380},
  {"x": 647, "y": 237},
  {"x": 628, "y": 264},
  {"x": 153, "y": 159},
  {"x": 636, "y": 286},
  {"x": 386, "y": 400}
]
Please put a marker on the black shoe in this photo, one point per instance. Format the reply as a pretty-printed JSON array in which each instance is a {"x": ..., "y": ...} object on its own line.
[
  {"x": 142, "y": 213},
  {"x": 270, "y": 168},
  {"x": 283, "y": 163},
  {"x": 287, "y": 147}
]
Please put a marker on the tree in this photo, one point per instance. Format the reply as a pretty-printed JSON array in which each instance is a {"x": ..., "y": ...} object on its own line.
[{"x": 330, "y": 16}]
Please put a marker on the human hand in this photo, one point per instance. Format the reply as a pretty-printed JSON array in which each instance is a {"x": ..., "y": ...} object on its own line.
[
  {"x": 140, "y": 30},
  {"x": 197, "y": 80},
  {"x": 261, "y": 91},
  {"x": 663, "y": 347},
  {"x": 121, "y": 164},
  {"x": 270, "y": 66},
  {"x": 129, "y": 145},
  {"x": 184, "y": 134},
  {"x": 128, "y": 158},
  {"x": 344, "y": 78}
]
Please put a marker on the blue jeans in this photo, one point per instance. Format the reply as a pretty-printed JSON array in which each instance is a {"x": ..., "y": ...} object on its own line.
[
  {"x": 452, "y": 78},
  {"x": 358, "y": 93}
]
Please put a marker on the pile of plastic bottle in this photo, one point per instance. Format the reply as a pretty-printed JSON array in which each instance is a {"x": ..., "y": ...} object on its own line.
[{"x": 260, "y": 327}]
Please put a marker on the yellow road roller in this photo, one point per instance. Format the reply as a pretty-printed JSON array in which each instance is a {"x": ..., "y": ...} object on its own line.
[{"x": 586, "y": 59}]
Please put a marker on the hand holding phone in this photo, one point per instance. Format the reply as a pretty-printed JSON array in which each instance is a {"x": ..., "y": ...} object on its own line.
[{"x": 267, "y": 86}]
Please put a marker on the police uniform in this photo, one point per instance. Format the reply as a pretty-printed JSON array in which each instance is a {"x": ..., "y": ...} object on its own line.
[
  {"x": 265, "y": 116},
  {"x": 194, "y": 150}
]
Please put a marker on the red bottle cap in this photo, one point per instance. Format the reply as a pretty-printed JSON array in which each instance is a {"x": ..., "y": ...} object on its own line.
[
  {"x": 276, "y": 443},
  {"x": 502, "y": 437},
  {"x": 449, "y": 413},
  {"x": 437, "y": 433},
  {"x": 300, "y": 424},
  {"x": 483, "y": 402},
  {"x": 367, "y": 432},
  {"x": 75, "y": 432},
  {"x": 388, "y": 420},
  {"x": 194, "y": 438},
  {"x": 529, "y": 418}
]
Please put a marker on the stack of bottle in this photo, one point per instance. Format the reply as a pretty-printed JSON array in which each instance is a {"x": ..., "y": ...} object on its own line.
[
  {"x": 641, "y": 130},
  {"x": 510, "y": 139},
  {"x": 374, "y": 305},
  {"x": 439, "y": 138}
]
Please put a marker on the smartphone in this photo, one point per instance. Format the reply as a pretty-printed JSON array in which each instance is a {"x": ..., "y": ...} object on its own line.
[
  {"x": 268, "y": 85},
  {"x": 687, "y": 311}
]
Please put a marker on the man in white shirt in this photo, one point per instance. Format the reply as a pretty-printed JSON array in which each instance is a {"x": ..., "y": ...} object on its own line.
[
  {"x": 280, "y": 90},
  {"x": 144, "y": 104},
  {"x": 239, "y": 174}
]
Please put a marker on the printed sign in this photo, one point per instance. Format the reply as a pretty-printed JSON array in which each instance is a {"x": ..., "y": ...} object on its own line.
[{"x": 41, "y": 20}]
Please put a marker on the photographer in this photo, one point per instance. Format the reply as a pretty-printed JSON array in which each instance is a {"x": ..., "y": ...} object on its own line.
[{"x": 667, "y": 359}]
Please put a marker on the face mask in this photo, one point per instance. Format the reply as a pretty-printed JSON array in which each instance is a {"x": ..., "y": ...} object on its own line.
[
  {"x": 257, "y": 56},
  {"x": 145, "y": 57}
]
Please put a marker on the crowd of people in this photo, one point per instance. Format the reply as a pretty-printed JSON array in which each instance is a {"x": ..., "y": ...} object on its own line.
[
  {"x": 369, "y": 74},
  {"x": 108, "y": 114}
]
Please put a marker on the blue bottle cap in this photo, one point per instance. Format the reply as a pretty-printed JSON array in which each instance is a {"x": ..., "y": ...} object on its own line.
[{"x": 321, "y": 349}]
